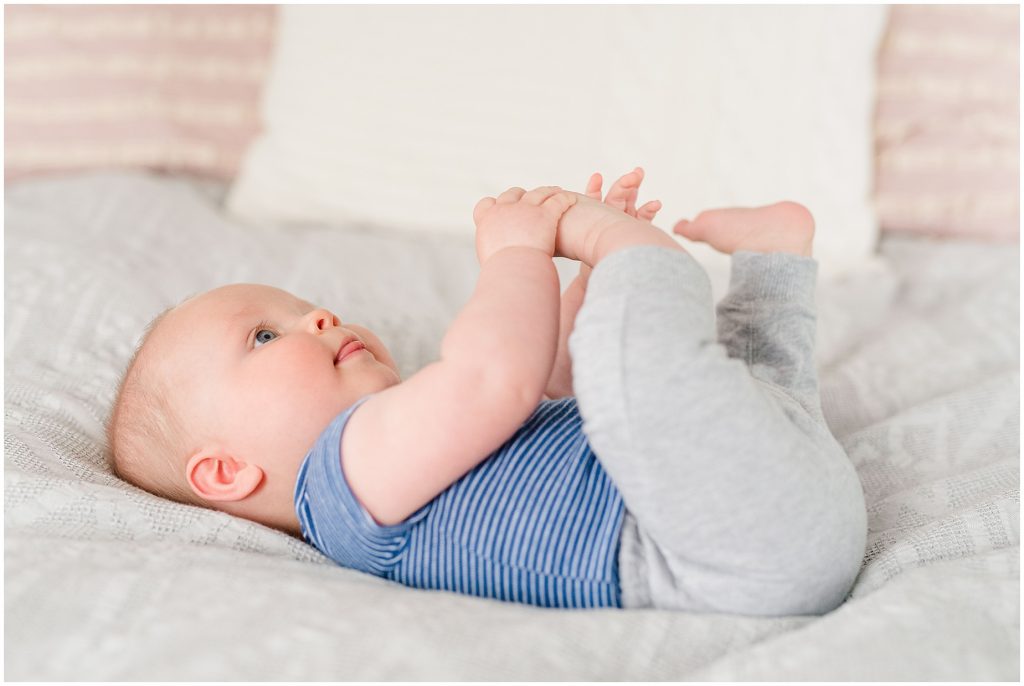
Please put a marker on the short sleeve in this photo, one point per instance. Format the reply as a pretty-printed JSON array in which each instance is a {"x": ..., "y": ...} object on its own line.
[{"x": 332, "y": 518}]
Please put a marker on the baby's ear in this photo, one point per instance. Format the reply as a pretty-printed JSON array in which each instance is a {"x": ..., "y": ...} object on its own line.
[{"x": 214, "y": 475}]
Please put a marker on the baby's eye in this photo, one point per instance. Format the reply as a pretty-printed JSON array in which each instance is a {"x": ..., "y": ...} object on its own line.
[{"x": 263, "y": 336}]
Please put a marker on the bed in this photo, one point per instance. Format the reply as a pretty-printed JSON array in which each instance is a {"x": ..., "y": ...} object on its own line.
[{"x": 920, "y": 383}]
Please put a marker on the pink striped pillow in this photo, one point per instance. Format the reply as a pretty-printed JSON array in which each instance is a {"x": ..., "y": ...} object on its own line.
[
  {"x": 165, "y": 87},
  {"x": 947, "y": 121}
]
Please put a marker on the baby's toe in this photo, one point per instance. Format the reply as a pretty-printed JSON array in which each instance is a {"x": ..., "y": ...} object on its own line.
[
  {"x": 648, "y": 210},
  {"x": 623, "y": 192}
]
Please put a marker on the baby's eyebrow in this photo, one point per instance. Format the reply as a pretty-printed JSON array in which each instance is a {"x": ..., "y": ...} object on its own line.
[
  {"x": 240, "y": 321},
  {"x": 246, "y": 312}
]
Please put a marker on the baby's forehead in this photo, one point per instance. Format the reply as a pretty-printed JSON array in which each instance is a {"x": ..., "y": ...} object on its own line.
[
  {"x": 243, "y": 298},
  {"x": 218, "y": 308}
]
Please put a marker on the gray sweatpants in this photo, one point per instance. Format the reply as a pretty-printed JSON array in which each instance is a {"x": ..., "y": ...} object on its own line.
[{"x": 738, "y": 498}]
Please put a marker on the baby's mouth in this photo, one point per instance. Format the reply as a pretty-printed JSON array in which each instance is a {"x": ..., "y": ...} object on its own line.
[{"x": 350, "y": 348}]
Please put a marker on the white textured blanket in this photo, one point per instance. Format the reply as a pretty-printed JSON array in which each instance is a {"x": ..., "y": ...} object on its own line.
[{"x": 920, "y": 376}]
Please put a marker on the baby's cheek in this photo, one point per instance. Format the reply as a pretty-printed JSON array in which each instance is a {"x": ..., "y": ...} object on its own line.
[
  {"x": 283, "y": 378},
  {"x": 289, "y": 403},
  {"x": 305, "y": 377}
]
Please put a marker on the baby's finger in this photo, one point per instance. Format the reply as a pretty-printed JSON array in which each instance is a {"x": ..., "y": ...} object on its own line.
[
  {"x": 648, "y": 210},
  {"x": 594, "y": 186},
  {"x": 540, "y": 194},
  {"x": 481, "y": 207},
  {"x": 511, "y": 195},
  {"x": 557, "y": 204}
]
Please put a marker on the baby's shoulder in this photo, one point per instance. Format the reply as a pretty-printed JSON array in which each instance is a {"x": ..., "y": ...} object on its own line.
[{"x": 406, "y": 444}]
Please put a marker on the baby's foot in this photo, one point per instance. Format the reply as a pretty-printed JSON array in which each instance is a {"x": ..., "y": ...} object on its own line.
[
  {"x": 782, "y": 227},
  {"x": 591, "y": 229},
  {"x": 623, "y": 194}
]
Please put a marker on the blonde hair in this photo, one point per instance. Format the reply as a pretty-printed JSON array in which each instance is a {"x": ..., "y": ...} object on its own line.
[{"x": 145, "y": 435}]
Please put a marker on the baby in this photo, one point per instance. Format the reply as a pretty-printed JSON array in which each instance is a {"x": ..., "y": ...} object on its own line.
[{"x": 643, "y": 461}]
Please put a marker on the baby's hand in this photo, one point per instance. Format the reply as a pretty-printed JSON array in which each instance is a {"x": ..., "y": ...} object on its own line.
[{"x": 520, "y": 219}]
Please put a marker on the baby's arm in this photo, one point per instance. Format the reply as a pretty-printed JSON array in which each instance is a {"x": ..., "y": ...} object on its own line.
[{"x": 407, "y": 444}]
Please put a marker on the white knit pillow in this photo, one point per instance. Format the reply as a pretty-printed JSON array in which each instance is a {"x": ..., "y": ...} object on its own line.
[{"x": 404, "y": 116}]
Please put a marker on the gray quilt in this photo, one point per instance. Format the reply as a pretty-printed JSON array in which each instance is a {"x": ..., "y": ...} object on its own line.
[{"x": 920, "y": 376}]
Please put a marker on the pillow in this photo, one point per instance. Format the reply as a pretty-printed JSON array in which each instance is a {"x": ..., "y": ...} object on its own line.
[
  {"x": 948, "y": 121},
  {"x": 170, "y": 88},
  {"x": 405, "y": 116}
]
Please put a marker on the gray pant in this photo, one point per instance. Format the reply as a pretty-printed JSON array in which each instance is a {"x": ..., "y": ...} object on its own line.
[{"x": 738, "y": 498}]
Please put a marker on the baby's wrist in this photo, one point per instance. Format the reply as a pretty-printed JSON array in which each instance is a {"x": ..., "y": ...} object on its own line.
[
  {"x": 487, "y": 249},
  {"x": 513, "y": 248}
]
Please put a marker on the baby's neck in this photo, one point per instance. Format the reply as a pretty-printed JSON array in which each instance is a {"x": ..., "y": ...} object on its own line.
[
  {"x": 285, "y": 521},
  {"x": 289, "y": 525},
  {"x": 271, "y": 504}
]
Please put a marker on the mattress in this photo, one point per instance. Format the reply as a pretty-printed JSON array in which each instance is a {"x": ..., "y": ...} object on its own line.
[{"x": 919, "y": 358}]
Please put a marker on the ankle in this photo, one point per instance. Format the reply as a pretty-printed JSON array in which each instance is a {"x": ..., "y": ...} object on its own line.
[
  {"x": 626, "y": 234},
  {"x": 792, "y": 246}
]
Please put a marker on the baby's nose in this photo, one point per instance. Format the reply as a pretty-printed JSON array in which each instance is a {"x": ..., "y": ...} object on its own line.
[{"x": 322, "y": 319}]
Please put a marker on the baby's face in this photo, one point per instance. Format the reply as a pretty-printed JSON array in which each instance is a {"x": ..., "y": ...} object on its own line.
[{"x": 260, "y": 373}]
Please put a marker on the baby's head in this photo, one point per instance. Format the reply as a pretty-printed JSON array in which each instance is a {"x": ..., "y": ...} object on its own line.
[{"x": 228, "y": 392}]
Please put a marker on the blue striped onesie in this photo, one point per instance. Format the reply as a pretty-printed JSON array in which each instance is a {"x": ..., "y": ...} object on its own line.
[{"x": 537, "y": 522}]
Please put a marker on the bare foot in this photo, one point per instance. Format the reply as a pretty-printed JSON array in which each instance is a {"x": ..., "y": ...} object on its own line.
[
  {"x": 623, "y": 193},
  {"x": 592, "y": 228},
  {"x": 783, "y": 227}
]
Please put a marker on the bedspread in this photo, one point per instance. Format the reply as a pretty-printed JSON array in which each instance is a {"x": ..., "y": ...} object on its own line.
[{"x": 920, "y": 383}]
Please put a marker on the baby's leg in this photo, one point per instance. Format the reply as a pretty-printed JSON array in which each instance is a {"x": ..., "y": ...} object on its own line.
[
  {"x": 767, "y": 318},
  {"x": 735, "y": 506}
]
